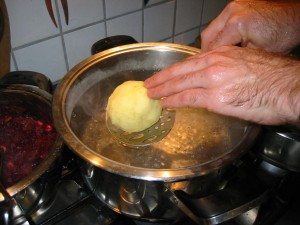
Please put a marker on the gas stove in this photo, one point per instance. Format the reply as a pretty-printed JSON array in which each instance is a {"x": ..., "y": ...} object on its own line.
[
  {"x": 259, "y": 192},
  {"x": 272, "y": 197}
]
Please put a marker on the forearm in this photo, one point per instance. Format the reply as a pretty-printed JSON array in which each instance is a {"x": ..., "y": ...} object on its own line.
[
  {"x": 293, "y": 95},
  {"x": 285, "y": 15}
]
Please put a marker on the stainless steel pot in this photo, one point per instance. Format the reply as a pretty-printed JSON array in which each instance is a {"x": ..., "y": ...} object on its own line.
[
  {"x": 200, "y": 148},
  {"x": 280, "y": 146},
  {"x": 39, "y": 184}
]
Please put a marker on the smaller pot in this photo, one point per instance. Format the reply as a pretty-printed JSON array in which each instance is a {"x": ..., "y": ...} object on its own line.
[
  {"x": 40, "y": 183},
  {"x": 280, "y": 146},
  {"x": 28, "y": 78}
]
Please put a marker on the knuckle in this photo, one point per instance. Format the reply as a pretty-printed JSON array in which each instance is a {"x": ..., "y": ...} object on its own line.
[
  {"x": 216, "y": 57},
  {"x": 204, "y": 34},
  {"x": 212, "y": 71},
  {"x": 172, "y": 70},
  {"x": 214, "y": 75},
  {"x": 234, "y": 5},
  {"x": 210, "y": 59},
  {"x": 192, "y": 98},
  {"x": 236, "y": 21}
]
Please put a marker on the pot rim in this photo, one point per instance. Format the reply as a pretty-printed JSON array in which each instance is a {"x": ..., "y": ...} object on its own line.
[
  {"x": 56, "y": 149},
  {"x": 62, "y": 124}
]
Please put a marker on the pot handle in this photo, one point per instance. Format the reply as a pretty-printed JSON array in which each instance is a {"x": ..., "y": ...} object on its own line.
[
  {"x": 111, "y": 42},
  {"x": 242, "y": 194},
  {"x": 27, "y": 78}
]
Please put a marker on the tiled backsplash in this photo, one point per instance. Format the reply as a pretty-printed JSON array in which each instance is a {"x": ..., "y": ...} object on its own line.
[{"x": 38, "y": 45}]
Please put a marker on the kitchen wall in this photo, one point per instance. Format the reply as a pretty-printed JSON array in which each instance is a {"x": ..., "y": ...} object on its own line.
[{"x": 38, "y": 45}]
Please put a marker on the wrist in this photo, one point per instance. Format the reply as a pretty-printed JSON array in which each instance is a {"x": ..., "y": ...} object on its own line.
[
  {"x": 284, "y": 19},
  {"x": 294, "y": 95}
]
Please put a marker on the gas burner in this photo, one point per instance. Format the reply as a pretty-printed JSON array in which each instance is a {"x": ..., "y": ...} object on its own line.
[
  {"x": 73, "y": 203},
  {"x": 270, "y": 201}
]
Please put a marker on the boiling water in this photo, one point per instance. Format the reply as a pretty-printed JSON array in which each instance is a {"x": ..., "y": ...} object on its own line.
[{"x": 197, "y": 136}]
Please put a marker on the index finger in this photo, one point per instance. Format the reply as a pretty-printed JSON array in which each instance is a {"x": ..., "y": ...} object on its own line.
[{"x": 188, "y": 65}]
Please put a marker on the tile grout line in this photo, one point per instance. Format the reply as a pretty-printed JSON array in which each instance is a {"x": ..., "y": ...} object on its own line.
[
  {"x": 14, "y": 60},
  {"x": 104, "y": 18},
  {"x": 61, "y": 34},
  {"x": 143, "y": 21},
  {"x": 57, "y": 35},
  {"x": 75, "y": 29},
  {"x": 174, "y": 20},
  {"x": 201, "y": 17}
]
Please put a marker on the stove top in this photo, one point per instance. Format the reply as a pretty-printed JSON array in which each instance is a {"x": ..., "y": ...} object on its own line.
[
  {"x": 74, "y": 203},
  {"x": 260, "y": 193}
]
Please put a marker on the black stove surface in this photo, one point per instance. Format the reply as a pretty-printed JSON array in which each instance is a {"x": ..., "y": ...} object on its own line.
[{"x": 74, "y": 203}]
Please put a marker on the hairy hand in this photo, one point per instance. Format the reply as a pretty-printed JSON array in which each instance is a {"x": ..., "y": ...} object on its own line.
[
  {"x": 241, "y": 82},
  {"x": 272, "y": 26}
]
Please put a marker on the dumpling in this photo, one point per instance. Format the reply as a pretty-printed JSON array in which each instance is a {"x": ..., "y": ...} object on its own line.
[{"x": 130, "y": 109}]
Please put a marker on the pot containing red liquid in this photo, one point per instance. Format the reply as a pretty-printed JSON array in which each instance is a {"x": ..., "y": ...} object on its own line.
[{"x": 30, "y": 147}]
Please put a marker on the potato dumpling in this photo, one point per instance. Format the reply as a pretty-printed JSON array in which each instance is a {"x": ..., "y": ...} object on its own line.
[{"x": 130, "y": 109}]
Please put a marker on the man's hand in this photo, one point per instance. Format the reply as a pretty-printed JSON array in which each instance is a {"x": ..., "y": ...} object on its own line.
[
  {"x": 272, "y": 26},
  {"x": 246, "y": 83}
]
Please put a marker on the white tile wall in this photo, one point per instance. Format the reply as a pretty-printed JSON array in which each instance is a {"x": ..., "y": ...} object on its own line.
[
  {"x": 44, "y": 56},
  {"x": 187, "y": 37},
  {"x": 29, "y": 21},
  {"x": 12, "y": 66},
  {"x": 158, "y": 21},
  {"x": 39, "y": 46},
  {"x": 151, "y": 2},
  {"x": 78, "y": 43},
  {"x": 117, "y": 7},
  {"x": 211, "y": 9},
  {"x": 81, "y": 13},
  {"x": 130, "y": 24},
  {"x": 188, "y": 15}
]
